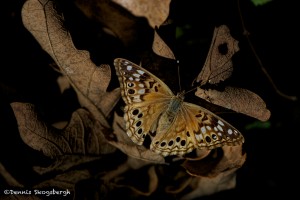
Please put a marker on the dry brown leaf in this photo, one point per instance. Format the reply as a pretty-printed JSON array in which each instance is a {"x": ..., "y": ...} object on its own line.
[
  {"x": 82, "y": 136},
  {"x": 139, "y": 152},
  {"x": 161, "y": 48},
  {"x": 141, "y": 188},
  {"x": 131, "y": 163},
  {"x": 237, "y": 99},
  {"x": 215, "y": 173},
  {"x": 156, "y": 11},
  {"x": 115, "y": 178},
  {"x": 116, "y": 21},
  {"x": 153, "y": 180},
  {"x": 218, "y": 64},
  {"x": 10, "y": 180},
  {"x": 217, "y": 68},
  {"x": 65, "y": 163},
  {"x": 89, "y": 81},
  {"x": 115, "y": 173},
  {"x": 65, "y": 181},
  {"x": 63, "y": 83},
  {"x": 180, "y": 182},
  {"x": 232, "y": 157},
  {"x": 153, "y": 183},
  {"x": 204, "y": 186}
]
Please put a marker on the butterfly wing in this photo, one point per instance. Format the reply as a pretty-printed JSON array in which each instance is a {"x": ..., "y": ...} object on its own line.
[
  {"x": 195, "y": 127},
  {"x": 145, "y": 96},
  {"x": 212, "y": 131}
]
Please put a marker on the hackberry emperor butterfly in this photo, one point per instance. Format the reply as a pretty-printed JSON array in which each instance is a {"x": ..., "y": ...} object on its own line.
[{"x": 176, "y": 127}]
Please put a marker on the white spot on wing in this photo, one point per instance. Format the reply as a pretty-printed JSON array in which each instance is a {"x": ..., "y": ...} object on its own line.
[
  {"x": 129, "y": 133},
  {"x": 220, "y": 122},
  {"x": 203, "y": 129},
  {"x": 137, "y": 98},
  {"x": 129, "y": 67},
  {"x": 141, "y": 91},
  {"x": 229, "y": 131},
  {"x": 137, "y": 75},
  {"x": 220, "y": 128},
  {"x": 140, "y": 72},
  {"x": 199, "y": 137}
]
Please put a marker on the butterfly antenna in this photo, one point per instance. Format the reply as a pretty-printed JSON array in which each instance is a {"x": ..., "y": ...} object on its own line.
[
  {"x": 179, "y": 80},
  {"x": 194, "y": 88},
  {"x": 178, "y": 72}
]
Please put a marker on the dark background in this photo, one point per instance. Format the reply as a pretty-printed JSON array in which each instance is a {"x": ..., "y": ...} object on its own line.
[{"x": 271, "y": 168}]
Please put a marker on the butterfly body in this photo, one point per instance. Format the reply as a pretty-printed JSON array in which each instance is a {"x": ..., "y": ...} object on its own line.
[{"x": 176, "y": 127}]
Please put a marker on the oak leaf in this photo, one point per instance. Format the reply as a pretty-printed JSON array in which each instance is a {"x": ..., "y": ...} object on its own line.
[
  {"x": 81, "y": 141},
  {"x": 88, "y": 80}
]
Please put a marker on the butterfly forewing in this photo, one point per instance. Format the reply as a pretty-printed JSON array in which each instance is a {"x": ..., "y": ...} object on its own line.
[
  {"x": 176, "y": 127},
  {"x": 145, "y": 96}
]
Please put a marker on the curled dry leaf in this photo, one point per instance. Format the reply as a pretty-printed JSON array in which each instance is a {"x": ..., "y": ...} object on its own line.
[
  {"x": 215, "y": 173},
  {"x": 9, "y": 179},
  {"x": 161, "y": 48},
  {"x": 82, "y": 136},
  {"x": 204, "y": 186},
  {"x": 89, "y": 81},
  {"x": 237, "y": 99},
  {"x": 231, "y": 157},
  {"x": 155, "y": 11},
  {"x": 180, "y": 182},
  {"x": 152, "y": 186},
  {"x": 145, "y": 188},
  {"x": 201, "y": 186}
]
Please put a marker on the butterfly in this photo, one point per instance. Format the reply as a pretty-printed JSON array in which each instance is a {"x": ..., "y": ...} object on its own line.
[{"x": 175, "y": 126}]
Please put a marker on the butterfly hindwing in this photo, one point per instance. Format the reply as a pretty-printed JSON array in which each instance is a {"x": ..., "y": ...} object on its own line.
[
  {"x": 212, "y": 131},
  {"x": 195, "y": 127},
  {"x": 177, "y": 139}
]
